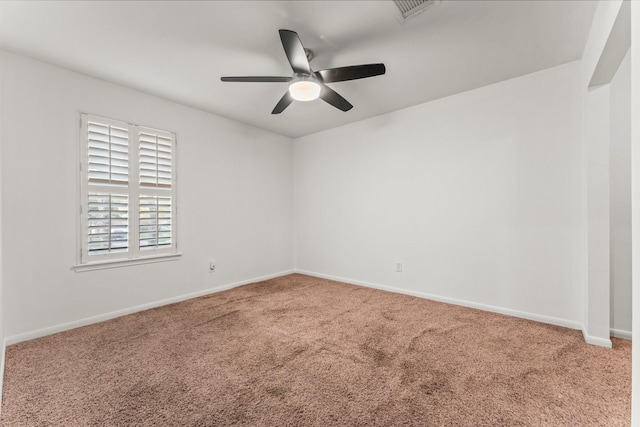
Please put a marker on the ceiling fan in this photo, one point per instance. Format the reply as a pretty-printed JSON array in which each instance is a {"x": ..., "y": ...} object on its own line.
[{"x": 306, "y": 84}]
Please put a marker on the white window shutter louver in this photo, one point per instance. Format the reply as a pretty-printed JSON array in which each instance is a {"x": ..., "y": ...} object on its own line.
[
  {"x": 108, "y": 228},
  {"x": 155, "y": 160},
  {"x": 108, "y": 154}
]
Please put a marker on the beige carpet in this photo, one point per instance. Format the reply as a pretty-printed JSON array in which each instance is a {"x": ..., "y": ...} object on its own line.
[{"x": 302, "y": 351}]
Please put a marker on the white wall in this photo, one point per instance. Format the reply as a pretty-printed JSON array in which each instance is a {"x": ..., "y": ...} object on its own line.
[
  {"x": 600, "y": 61},
  {"x": 477, "y": 194},
  {"x": 620, "y": 176},
  {"x": 234, "y": 196},
  {"x": 635, "y": 208},
  {"x": 2, "y": 346},
  {"x": 603, "y": 22},
  {"x": 595, "y": 137}
]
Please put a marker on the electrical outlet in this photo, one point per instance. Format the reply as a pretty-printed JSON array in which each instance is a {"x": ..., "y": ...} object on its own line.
[{"x": 398, "y": 267}]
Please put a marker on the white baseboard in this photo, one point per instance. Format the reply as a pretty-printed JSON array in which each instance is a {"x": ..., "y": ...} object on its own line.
[
  {"x": 620, "y": 333},
  {"x": 26, "y": 336},
  {"x": 494, "y": 309},
  {"x": 590, "y": 339}
]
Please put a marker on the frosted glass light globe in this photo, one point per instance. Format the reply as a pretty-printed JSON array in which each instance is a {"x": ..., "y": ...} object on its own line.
[{"x": 304, "y": 90}]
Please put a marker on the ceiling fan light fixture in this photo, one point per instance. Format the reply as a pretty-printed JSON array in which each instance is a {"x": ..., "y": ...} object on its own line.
[
  {"x": 306, "y": 84},
  {"x": 304, "y": 90}
]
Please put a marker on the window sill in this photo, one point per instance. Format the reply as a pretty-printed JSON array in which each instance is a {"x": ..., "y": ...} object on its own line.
[{"x": 102, "y": 265}]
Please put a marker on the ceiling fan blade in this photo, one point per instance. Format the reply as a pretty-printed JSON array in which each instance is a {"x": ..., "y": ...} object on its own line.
[
  {"x": 284, "y": 102},
  {"x": 334, "y": 98},
  {"x": 295, "y": 52},
  {"x": 256, "y": 79},
  {"x": 353, "y": 72}
]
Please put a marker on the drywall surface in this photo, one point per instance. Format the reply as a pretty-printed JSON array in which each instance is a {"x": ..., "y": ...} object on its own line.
[
  {"x": 2, "y": 346},
  {"x": 478, "y": 195},
  {"x": 595, "y": 138},
  {"x": 635, "y": 208},
  {"x": 605, "y": 39},
  {"x": 603, "y": 22},
  {"x": 234, "y": 199},
  {"x": 620, "y": 193}
]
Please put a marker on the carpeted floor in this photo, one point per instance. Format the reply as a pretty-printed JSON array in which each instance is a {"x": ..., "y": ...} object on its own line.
[{"x": 302, "y": 351}]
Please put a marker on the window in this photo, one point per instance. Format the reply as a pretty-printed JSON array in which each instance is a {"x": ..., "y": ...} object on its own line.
[{"x": 128, "y": 192}]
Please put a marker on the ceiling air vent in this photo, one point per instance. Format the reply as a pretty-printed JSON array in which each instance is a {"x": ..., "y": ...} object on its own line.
[{"x": 410, "y": 8}]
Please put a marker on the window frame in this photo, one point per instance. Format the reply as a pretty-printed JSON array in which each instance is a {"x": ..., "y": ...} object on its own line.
[{"x": 133, "y": 189}]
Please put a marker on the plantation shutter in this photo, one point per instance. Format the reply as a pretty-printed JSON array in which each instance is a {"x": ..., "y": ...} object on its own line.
[
  {"x": 107, "y": 208},
  {"x": 155, "y": 159},
  {"x": 108, "y": 228},
  {"x": 128, "y": 194},
  {"x": 108, "y": 153},
  {"x": 156, "y": 206},
  {"x": 155, "y": 222}
]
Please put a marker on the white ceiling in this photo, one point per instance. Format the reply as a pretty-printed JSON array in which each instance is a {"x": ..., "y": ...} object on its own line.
[{"x": 179, "y": 50}]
